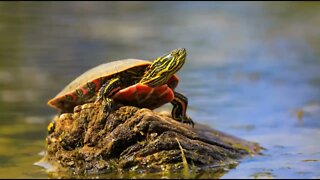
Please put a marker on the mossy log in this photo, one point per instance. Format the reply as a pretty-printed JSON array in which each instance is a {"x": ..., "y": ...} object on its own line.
[{"x": 130, "y": 139}]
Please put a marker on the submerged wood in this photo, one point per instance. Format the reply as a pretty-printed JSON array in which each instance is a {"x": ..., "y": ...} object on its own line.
[{"x": 90, "y": 142}]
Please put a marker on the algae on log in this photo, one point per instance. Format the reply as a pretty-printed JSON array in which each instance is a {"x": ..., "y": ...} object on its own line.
[{"x": 89, "y": 142}]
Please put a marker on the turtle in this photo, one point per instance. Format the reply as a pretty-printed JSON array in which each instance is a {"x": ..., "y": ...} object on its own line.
[{"x": 134, "y": 82}]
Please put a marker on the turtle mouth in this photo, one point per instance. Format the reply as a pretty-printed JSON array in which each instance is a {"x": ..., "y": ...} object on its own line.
[{"x": 180, "y": 53}]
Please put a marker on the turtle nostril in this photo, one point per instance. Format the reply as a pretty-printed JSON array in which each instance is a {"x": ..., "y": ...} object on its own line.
[{"x": 181, "y": 51}]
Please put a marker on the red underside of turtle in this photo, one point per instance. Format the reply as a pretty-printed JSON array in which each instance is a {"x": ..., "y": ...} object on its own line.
[{"x": 140, "y": 95}]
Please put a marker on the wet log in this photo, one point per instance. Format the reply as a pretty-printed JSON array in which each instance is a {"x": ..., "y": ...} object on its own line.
[{"x": 88, "y": 141}]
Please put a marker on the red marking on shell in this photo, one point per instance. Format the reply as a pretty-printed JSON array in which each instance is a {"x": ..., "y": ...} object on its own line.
[
  {"x": 96, "y": 75},
  {"x": 97, "y": 84},
  {"x": 126, "y": 94},
  {"x": 74, "y": 97},
  {"x": 84, "y": 91},
  {"x": 167, "y": 94},
  {"x": 144, "y": 96},
  {"x": 140, "y": 99},
  {"x": 115, "y": 90}
]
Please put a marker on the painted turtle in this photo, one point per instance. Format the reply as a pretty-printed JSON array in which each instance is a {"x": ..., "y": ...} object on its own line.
[{"x": 133, "y": 82}]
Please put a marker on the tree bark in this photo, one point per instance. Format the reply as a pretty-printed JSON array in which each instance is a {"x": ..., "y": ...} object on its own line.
[{"x": 132, "y": 139}]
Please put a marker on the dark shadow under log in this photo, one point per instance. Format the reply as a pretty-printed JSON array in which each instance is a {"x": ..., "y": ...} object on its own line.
[{"x": 132, "y": 139}]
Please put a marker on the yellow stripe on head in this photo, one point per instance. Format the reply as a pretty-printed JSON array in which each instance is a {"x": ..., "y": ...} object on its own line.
[{"x": 162, "y": 69}]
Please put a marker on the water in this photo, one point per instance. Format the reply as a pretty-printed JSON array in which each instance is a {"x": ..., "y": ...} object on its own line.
[{"x": 252, "y": 71}]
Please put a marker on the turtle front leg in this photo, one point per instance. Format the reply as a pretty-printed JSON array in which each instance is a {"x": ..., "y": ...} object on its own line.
[
  {"x": 106, "y": 91},
  {"x": 180, "y": 104}
]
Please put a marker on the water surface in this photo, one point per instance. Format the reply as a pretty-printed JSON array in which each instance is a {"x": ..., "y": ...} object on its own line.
[{"x": 252, "y": 71}]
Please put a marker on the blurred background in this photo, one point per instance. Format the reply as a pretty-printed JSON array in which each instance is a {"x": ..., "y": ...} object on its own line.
[{"x": 252, "y": 70}]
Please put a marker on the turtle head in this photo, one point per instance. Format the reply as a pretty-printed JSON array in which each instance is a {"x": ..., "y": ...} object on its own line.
[{"x": 164, "y": 67}]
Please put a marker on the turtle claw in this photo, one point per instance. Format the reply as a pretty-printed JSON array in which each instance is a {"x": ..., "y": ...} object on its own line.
[
  {"x": 108, "y": 106},
  {"x": 187, "y": 120}
]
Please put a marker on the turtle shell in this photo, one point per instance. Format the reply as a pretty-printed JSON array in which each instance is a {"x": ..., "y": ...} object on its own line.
[{"x": 85, "y": 87}]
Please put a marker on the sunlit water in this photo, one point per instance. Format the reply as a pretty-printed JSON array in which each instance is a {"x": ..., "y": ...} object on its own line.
[{"x": 252, "y": 71}]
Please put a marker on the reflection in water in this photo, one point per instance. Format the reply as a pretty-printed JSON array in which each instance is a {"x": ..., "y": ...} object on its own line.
[{"x": 250, "y": 68}]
